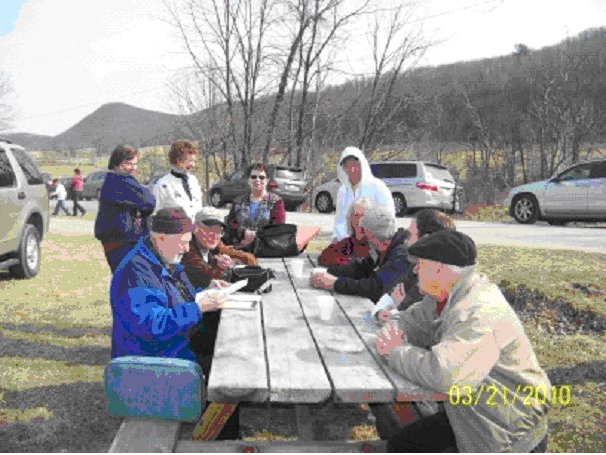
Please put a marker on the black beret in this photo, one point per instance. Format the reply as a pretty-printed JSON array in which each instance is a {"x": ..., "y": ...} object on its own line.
[
  {"x": 171, "y": 220},
  {"x": 446, "y": 246}
]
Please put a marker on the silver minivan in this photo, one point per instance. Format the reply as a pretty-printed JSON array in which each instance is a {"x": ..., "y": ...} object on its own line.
[
  {"x": 23, "y": 209},
  {"x": 575, "y": 194},
  {"x": 413, "y": 185}
]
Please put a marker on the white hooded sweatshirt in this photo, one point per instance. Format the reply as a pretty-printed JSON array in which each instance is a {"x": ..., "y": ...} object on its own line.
[{"x": 369, "y": 186}]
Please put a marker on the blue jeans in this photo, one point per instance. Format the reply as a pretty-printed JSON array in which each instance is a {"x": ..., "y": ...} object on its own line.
[{"x": 61, "y": 205}]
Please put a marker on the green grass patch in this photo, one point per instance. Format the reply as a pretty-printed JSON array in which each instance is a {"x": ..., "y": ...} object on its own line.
[
  {"x": 8, "y": 416},
  {"x": 67, "y": 170},
  {"x": 52, "y": 339}
]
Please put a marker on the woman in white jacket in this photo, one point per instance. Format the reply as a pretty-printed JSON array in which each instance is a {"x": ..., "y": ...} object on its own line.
[{"x": 357, "y": 180}]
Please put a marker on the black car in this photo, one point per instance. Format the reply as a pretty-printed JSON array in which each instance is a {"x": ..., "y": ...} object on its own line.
[{"x": 287, "y": 182}]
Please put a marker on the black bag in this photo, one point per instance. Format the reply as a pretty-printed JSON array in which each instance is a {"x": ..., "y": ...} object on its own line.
[
  {"x": 276, "y": 240},
  {"x": 259, "y": 278}
]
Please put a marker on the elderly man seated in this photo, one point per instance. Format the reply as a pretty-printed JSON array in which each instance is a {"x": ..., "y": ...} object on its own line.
[
  {"x": 154, "y": 305},
  {"x": 465, "y": 340},
  {"x": 382, "y": 270}
]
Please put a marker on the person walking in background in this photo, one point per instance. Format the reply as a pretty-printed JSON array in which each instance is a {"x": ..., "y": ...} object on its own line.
[
  {"x": 180, "y": 188},
  {"x": 251, "y": 212},
  {"x": 76, "y": 189},
  {"x": 357, "y": 180},
  {"x": 124, "y": 206},
  {"x": 60, "y": 193}
]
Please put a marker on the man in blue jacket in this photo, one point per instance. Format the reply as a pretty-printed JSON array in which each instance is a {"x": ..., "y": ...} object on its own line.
[
  {"x": 379, "y": 273},
  {"x": 124, "y": 205},
  {"x": 154, "y": 306}
]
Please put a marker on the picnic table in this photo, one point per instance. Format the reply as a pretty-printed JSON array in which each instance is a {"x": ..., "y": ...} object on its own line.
[{"x": 283, "y": 351}]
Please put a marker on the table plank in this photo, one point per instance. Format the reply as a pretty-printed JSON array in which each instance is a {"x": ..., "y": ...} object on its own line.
[
  {"x": 357, "y": 309},
  {"x": 239, "y": 369},
  {"x": 145, "y": 435},
  {"x": 353, "y": 371},
  {"x": 296, "y": 373}
]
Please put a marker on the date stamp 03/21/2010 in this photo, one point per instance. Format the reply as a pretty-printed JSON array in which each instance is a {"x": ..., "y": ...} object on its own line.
[{"x": 494, "y": 396}]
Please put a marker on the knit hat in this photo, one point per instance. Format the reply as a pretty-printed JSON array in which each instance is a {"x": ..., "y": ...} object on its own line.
[
  {"x": 447, "y": 246},
  {"x": 172, "y": 220}
]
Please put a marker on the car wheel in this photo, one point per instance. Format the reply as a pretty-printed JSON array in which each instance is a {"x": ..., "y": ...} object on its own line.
[
  {"x": 558, "y": 222},
  {"x": 291, "y": 207},
  {"x": 216, "y": 199},
  {"x": 28, "y": 254},
  {"x": 400, "y": 203},
  {"x": 324, "y": 203},
  {"x": 526, "y": 209}
]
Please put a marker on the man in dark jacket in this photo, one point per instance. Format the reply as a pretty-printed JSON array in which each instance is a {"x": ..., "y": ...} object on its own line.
[
  {"x": 379, "y": 273},
  {"x": 124, "y": 206}
]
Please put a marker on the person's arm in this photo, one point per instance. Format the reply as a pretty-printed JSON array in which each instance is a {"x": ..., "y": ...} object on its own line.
[
  {"x": 337, "y": 253},
  {"x": 240, "y": 256},
  {"x": 136, "y": 297},
  {"x": 236, "y": 233},
  {"x": 356, "y": 269},
  {"x": 136, "y": 196},
  {"x": 370, "y": 287},
  {"x": 464, "y": 357},
  {"x": 278, "y": 213}
]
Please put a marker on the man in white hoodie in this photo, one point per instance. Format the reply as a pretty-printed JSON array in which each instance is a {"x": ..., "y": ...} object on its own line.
[{"x": 357, "y": 180}]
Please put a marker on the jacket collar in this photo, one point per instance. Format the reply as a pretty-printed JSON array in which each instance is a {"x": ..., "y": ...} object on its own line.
[
  {"x": 460, "y": 288},
  {"x": 150, "y": 253}
]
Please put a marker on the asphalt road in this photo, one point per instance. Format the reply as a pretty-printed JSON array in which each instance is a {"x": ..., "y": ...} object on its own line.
[{"x": 583, "y": 237}]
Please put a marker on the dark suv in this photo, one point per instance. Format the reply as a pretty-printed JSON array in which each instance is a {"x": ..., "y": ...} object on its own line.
[
  {"x": 287, "y": 182},
  {"x": 24, "y": 210}
]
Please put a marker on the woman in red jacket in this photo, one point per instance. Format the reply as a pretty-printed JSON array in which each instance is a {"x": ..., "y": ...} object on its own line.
[
  {"x": 77, "y": 186},
  {"x": 354, "y": 246}
]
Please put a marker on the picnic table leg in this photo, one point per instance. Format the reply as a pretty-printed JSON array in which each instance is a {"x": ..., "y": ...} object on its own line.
[{"x": 213, "y": 420}]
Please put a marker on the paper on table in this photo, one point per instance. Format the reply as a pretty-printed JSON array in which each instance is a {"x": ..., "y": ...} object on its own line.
[{"x": 239, "y": 305}]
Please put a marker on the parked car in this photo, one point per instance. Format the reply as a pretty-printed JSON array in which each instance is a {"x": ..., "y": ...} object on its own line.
[
  {"x": 92, "y": 185},
  {"x": 575, "y": 194},
  {"x": 413, "y": 185},
  {"x": 287, "y": 182},
  {"x": 24, "y": 208}
]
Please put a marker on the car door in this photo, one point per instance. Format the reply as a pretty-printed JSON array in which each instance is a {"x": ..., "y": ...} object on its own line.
[
  {"x": 10, "y": 205},
  {"x": 566, "y": 195},
  {"x": 234, "y": 186},
  {"x": 596, "y": 197}
]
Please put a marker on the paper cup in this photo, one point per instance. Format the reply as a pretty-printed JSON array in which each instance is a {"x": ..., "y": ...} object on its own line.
[
  {"x": 297, "y": 266},
  {"x": 316, "y": 270},
  {"x": 326, "y": 307}
]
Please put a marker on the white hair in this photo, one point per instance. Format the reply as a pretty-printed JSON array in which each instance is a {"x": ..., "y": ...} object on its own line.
[
  {"x": 362, "y": 202},
  {"x": 379, "y": 220},
  {"x": 459, "y": 270}
]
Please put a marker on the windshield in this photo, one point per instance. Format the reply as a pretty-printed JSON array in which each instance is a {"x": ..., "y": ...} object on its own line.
[
  {"x": 439, "y": 173},
  {"x": 290, "y": 174}
]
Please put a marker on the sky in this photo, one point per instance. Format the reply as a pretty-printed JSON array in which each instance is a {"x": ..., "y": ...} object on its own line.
[{"x": 66, "y": 58}]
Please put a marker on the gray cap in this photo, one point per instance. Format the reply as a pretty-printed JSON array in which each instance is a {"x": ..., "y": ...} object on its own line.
[{"x": 209, "y": 216}]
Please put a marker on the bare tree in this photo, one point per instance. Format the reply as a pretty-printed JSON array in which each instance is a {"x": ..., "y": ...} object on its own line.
[{"x": 6, "y": 111}]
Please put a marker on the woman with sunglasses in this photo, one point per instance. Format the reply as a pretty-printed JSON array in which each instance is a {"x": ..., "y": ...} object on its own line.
[{"x": 257, "y": 209}]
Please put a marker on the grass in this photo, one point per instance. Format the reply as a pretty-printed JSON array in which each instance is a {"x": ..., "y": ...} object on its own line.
[
  {"x": 67, "y": 170},
  {"x": 54, "y": 343}
]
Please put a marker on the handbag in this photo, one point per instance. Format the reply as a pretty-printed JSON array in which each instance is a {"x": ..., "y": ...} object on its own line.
[
  {"x": 259, "y": 278},
  {"x": 276, "y": 240}
]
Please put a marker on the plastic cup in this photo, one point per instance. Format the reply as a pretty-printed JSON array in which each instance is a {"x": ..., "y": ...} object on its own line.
[
  {"x": 326, "y": 307},
  {"x": 297, "y": 266},
  {"x": 316, "y": 270}
]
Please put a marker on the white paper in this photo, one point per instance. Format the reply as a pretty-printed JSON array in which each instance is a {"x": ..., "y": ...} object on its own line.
[
  {"x": 239, "y": 305},
  {"x": 234, "y": 287}
]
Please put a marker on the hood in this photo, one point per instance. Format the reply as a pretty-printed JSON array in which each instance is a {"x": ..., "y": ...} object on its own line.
[
  {"x": 530, "y": 187},
  {"x": 359, "y": 154}
]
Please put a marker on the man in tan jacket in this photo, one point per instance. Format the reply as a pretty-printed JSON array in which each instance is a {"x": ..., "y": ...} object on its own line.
[{"x": 465, "y": 340}]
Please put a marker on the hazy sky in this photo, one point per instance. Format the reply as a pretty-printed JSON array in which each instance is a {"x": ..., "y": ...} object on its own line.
[{"x": 66, "y": 58}]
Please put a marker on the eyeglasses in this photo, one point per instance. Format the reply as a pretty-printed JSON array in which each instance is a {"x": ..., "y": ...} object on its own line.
[{"x": 257, "y": 177}]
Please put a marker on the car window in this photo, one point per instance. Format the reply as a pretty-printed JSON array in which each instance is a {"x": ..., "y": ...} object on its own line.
[
  {"x": 576, "y": 173},
  {"x": 290, "y": 174},
  {"x": 27, "y": 165},
  {"x": 598, "y": 170},
  {"x": 394, "y": 170},
  {"x": 439, "y": 173},
  {"x": 7, "y": 175}
]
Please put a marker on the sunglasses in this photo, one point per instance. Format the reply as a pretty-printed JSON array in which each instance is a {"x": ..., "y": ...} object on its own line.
[{"x": 257, "y": 177}]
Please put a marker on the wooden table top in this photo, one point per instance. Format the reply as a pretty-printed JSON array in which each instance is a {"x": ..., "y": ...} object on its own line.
[{"x": 283, "y": 351}]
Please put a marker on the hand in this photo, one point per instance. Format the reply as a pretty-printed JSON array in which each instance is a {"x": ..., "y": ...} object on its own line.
[
  {"x": 218, "y": 284},
  {"x": 323, "y": 280},
  {"x": 211, "y": 300},
  {"x": 390, "y": 337},
  {"x": 224, "y": 261},
  {"x": 398, "y": 294},
  {"x": 383, "y": 316},
  {"x": 249, "y": 237}
]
